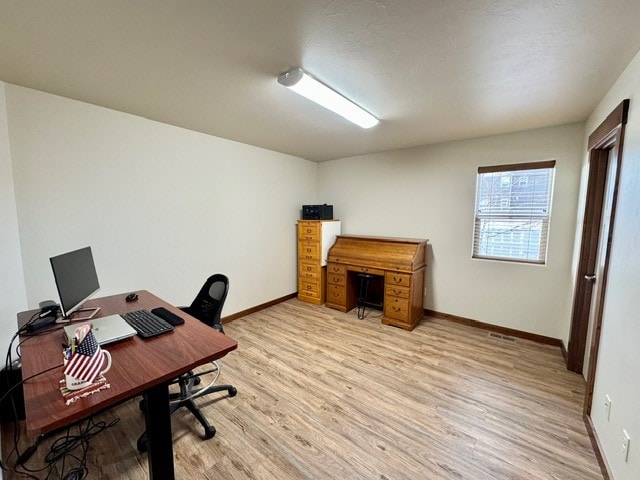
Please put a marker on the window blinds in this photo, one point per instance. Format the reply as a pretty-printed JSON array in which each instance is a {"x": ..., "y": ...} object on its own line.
[{"x": 513, "y": 206}]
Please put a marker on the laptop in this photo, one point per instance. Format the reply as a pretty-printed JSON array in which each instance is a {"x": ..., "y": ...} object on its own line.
[{"x": 112, "y": 328}]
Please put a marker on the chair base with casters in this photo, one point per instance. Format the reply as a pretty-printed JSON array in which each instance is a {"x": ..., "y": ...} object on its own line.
[{"x": 184, "y": 398}]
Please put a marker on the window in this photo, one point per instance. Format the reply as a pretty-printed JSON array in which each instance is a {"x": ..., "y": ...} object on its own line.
[{"x": 512, "y": 215}]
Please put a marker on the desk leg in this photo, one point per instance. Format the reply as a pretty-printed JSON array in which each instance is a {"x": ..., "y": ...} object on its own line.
[{"x": 159, "y": 438}]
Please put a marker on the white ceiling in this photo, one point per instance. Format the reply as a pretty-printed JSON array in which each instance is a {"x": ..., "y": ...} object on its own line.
[{"x": 432, "y": 71}]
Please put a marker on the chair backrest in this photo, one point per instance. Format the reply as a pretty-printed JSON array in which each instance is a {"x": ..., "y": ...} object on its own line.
[{"x": 207, "y": 306}]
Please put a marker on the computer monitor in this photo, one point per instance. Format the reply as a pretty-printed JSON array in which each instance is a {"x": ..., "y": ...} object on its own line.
[{"x": 76, "y": 281}]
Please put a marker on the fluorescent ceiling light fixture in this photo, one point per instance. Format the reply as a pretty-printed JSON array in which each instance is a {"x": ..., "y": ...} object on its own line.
[{"x": 304, "y": 84}]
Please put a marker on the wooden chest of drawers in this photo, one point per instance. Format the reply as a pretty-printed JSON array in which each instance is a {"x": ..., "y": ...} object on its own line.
[{"x": 315, "y": 237}]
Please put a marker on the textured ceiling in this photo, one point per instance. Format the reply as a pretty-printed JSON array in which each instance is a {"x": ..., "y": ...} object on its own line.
[{"x": 431, "y": 71}]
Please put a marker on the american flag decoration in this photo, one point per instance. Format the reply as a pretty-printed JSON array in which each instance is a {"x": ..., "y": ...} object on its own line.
[{"x": 86, "y": 362}]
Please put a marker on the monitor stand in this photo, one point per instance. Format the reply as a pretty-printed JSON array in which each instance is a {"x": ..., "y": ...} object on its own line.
[{"x": 68, "y": 318}]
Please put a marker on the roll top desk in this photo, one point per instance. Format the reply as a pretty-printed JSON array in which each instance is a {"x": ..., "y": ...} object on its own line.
[{"x": 401, "y": 262}]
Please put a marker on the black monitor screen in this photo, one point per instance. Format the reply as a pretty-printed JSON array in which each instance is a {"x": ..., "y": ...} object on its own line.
[{"x": 76, "y": 278}]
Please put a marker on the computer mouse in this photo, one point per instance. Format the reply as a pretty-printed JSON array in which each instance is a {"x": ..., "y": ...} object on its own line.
[{"x": 131, "y": 297}]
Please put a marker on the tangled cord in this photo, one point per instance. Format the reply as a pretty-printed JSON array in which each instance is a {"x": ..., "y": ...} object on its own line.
[{"x": 62, "y": 451}]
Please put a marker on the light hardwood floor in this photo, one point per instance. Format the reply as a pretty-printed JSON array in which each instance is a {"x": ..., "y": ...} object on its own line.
[{"x": 322, "y": 394}]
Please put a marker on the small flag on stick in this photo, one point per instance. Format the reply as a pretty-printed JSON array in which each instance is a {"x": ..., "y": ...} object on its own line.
[{"x": 86, "y": 362}]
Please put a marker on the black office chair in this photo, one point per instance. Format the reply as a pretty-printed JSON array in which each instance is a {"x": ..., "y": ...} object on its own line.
[{"x": 206, "y": 307}]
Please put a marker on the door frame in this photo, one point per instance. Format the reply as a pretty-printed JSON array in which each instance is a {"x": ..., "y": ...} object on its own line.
[{"x": 604, "y": 146}]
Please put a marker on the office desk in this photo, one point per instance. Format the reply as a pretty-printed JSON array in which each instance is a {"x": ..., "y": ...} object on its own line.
[
  {"x": 400, "y": 262},
  {"x": 139, "y": 367}
]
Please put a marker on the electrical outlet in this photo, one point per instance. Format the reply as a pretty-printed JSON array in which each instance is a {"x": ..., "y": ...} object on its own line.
[
  {"x": 607, "y": 406},
  {"x": 626, "y": 441}
]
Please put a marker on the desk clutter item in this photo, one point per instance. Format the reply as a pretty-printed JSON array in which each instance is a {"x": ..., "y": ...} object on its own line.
[
  {"x": 168, "y": 316},
  {"x": 314, "y": 239},
  {"x": 71, "y": 396},
  {"x": 109, "y": 329},
  {"x": 84, "y": 366},
  {"x": 146, "y": 323},
  {"x": 84, "y": 359}
]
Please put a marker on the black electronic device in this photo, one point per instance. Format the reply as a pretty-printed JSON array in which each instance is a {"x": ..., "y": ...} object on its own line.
[
  {"x": 131, "y": 297},
  {"x": 76, "y": 280},
  {"x": 317, "y": 212},
  {"x": 47, "y": 306},
  {"x": 9, "y": 378},
  {"x": 167, "y": 315},
  {"x": 42, "y": 321},
  {"x": 47, "y": 316},
  {"x": 146, "y": 323}
]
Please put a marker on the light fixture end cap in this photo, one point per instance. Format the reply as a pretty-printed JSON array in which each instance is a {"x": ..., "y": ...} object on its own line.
[{"x": 290, "y": 78}]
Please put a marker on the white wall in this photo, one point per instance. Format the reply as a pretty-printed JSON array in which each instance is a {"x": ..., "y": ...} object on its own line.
[
  {"x": 12, "y": 291},
  {"x": 162, "y": 207},
  {"x": 617, "y": 373},
  {"x": 429, "y": 192},
  {"x": 13, "y": 297}
]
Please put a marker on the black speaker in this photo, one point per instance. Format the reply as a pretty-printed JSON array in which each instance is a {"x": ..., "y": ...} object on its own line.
[
  {"x": 9, "y": 377},
  {"x": 317, "y": 212}
]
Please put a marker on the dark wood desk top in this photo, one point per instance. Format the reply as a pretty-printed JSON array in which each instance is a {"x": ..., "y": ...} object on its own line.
[{"x": 138, "y": 364}]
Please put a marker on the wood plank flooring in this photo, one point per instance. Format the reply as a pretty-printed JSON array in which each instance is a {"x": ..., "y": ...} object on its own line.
[{"x": 322, "y": 394}]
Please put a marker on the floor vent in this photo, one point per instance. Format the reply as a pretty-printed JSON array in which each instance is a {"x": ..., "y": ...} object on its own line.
[{"x": 502, "y": 337}]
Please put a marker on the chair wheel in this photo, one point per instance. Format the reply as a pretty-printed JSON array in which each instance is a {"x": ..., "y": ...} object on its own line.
[
  {"x": 209, "y": 432},
  {"x": 196, "y": 380},
  {"x": 142, "y": 444},
  {"x": 233, "y": 391}
]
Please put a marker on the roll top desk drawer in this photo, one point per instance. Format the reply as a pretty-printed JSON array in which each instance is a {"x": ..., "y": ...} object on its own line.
[
  {"x": 336, "y": 294},
  {"x": 336, "y": 268},
  {"x": 397, "y": 291},
  {"x": 397, "y": 308},
  {"x": 393, "y": 278}
]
